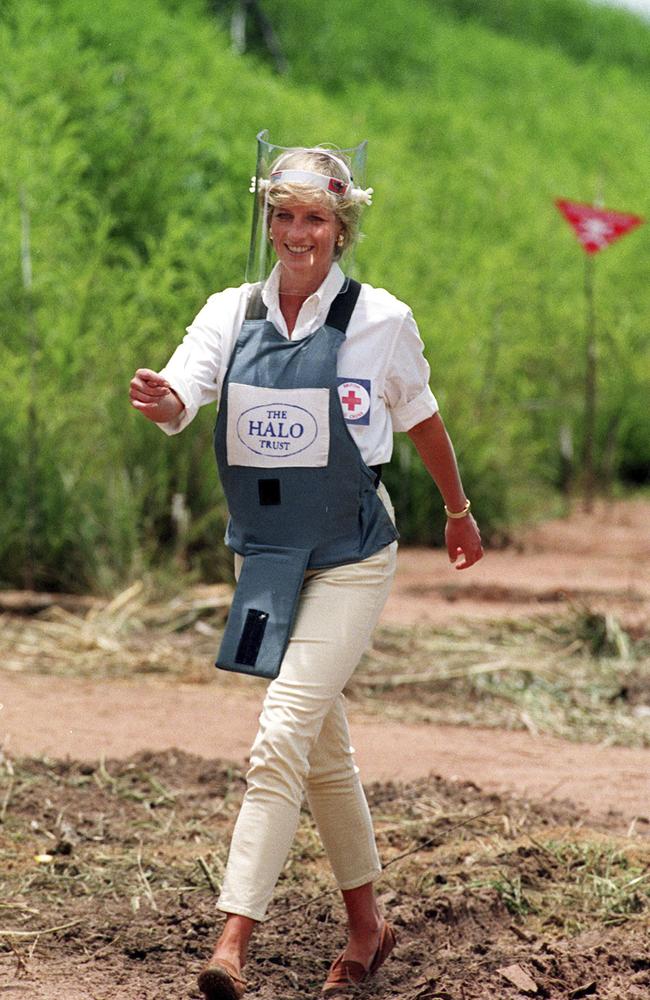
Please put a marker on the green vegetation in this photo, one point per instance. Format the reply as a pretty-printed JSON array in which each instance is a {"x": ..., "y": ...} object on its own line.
[{"x": 127, "y": 144}]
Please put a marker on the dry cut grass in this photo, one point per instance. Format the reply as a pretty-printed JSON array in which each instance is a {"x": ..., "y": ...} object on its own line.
[{"x": 579, "y": 675}]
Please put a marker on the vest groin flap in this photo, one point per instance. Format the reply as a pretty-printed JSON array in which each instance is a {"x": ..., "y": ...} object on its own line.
[{"x": 263, "y": 609}]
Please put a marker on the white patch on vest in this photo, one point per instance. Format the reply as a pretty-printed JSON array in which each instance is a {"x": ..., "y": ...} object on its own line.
[
  {"x": 355, "y": 400},
  {"x": 268, "y": 428}
]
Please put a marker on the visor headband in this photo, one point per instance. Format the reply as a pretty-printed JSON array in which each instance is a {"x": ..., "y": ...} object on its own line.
[
  {"x": 309, "y": 179},
  {"x": 339, "y": 188}
]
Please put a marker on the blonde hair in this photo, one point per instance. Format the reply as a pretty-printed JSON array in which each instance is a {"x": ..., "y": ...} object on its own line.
[{"x": 318, "y": 161}]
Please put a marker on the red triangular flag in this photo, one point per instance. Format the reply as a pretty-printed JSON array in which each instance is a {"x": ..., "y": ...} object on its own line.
[{"x": 596, "y": 228}]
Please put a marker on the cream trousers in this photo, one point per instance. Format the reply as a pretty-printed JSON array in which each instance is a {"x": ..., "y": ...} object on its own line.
[{"x": 303, "y": 742}]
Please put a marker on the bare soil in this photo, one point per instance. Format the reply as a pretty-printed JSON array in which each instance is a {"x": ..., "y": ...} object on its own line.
[
  {"x": 82, "y": 720},
  {"x": 110, "y": 871},
  {"x": 600, "y": 559},
  {"x": 124, "y": 911}
]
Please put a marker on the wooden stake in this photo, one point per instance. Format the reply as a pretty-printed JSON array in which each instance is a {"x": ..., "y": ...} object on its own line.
[{"x": 591, "y": 384}]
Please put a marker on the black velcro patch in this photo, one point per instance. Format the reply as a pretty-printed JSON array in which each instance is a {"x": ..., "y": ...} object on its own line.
[
  {"x": 251, "y": 637},
  {"x": 269, "y": 492}
]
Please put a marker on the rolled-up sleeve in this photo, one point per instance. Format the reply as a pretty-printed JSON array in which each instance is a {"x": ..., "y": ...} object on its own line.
[
  {"x": 406, "y": 387},
  {"x": 196, "y": 369}
]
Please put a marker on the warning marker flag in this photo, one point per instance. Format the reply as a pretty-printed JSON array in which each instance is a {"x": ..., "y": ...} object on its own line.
[{"x": 596, "y": 228}]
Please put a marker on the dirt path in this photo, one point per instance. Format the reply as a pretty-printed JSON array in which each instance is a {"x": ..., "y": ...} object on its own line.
[
  {"x": 603, "y": 559},
  {"x": 84, "y": 720}
]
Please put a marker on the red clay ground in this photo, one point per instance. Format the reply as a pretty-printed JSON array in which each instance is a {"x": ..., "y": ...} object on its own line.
[
  {"x": 69, "y": 717},
  {"x": 602, "y": 559}
]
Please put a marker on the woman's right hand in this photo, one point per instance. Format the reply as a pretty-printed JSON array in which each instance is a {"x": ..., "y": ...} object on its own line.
[{"x": 154, "y": 397}]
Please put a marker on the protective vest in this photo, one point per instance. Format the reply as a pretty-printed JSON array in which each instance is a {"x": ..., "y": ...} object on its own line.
[{"x": 299, "y": 494}]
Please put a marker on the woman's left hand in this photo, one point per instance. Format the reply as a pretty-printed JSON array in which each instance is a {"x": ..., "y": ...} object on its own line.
[{"x": 463, "y": 539}]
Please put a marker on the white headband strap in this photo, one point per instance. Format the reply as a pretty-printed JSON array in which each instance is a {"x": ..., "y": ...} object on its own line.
[
  {"x": 339, "y": 188},
  {"x": 310, "y": 179}
]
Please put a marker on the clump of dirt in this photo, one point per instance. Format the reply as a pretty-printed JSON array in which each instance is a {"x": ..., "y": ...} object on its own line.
[{"x": 111, "y": 869}]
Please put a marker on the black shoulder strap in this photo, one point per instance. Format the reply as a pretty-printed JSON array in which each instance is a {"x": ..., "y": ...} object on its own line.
[
  {"x": 343, "y": 305},
  {"x": 256, "y": 308},
  {"x": 338, "y": 316}
]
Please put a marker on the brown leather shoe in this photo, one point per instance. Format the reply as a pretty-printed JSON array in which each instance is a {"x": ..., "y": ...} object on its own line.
[
  {"x": 344, "y": 976},
  {"x": 221, "y": 981}
]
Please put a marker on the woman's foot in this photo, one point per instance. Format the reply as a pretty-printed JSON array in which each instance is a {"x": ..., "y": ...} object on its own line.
[
  {"x": 221, "y": 981},
  {"x": 362, "y": 945},
  {"x": 346, "y": 973}
]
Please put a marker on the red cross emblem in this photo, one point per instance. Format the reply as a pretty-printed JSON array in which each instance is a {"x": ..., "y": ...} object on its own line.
[
  {"x": 355, "y": 400},
  {"x": 351, "y": 400}
]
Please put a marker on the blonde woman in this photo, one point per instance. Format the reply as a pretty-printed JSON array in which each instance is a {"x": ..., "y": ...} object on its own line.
[{"x": 313, "y": 374}]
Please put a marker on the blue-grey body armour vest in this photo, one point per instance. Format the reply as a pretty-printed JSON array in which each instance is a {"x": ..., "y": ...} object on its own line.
[{"x": 299, "y": 494}]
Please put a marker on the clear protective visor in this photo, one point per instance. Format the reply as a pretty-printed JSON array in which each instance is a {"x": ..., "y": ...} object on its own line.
[{"x": 275, "y": 166}]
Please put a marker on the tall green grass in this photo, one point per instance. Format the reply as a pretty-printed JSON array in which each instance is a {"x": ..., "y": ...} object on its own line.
[{"x": 130, "y": 132}]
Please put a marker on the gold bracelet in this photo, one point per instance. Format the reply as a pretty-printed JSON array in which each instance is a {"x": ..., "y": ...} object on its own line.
[{"x": 458, "y": 513}]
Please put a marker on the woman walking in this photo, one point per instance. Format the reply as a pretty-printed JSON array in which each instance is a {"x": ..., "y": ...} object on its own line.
[{"x": 312, "y": 373}]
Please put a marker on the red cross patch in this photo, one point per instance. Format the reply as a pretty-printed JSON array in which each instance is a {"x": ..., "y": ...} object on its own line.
[{"x": 354, "y": 395}]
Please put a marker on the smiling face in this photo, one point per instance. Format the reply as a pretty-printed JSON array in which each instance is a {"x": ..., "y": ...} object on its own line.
[{"x": 304, "y": 237}]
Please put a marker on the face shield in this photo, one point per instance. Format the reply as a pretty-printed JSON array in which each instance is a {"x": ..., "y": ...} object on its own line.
[{"x": 335, "y": 177}]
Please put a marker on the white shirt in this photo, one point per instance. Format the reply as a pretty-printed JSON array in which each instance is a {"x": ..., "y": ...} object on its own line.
[{"x": 381, "y": 365}]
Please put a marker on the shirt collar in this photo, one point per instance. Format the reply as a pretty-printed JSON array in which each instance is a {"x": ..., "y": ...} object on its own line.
[{"x": 314, "y": 310}]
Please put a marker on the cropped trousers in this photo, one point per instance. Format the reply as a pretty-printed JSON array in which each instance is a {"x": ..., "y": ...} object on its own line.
[{"x": 303, "y": 742}]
